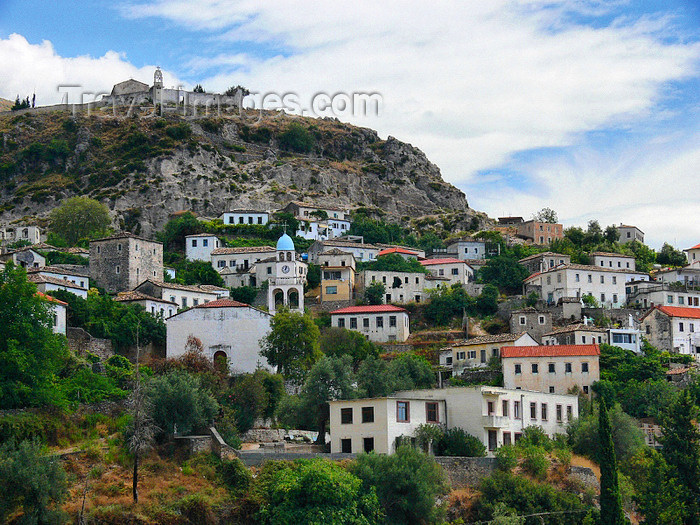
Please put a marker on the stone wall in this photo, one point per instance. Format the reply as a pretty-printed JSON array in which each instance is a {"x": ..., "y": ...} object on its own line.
[
  {"x": 330, "y": 306},
  {"x": 263, "y": 435},
  {"x": 81, "y": 342},
  {"x": 219, "y": 447},
  {"x": 585, "y": 475},
  {"x": 194, "y": 444},
  {"x": 466, "y": 472}
]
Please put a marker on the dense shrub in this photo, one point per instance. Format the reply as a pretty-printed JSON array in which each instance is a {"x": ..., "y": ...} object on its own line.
[
  {"x": 179, "y": 131},
  {"x": 535, "y": 461},
  {"x": 507, "y": 458},
  {"x": 457, "y": 442},
  {"x": 235, "y": 475},
  {"x": 296, "y": 138}
]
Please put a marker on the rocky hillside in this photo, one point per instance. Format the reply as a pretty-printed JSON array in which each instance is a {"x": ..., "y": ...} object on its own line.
[{"x": 146, "y": 168}]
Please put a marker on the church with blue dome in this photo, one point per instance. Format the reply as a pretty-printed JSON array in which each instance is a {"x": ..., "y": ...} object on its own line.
[{"x": 286, "y": 287}]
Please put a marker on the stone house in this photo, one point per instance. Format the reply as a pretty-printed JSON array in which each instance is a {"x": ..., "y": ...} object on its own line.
[
  {"x": 532, "y": 321},
  {"x": 673, "y": 328},
  {"x": 10, "y": 234},
  {"x": 556, "y": 369},
  {"x": 381, "y": 323},
  {"x": 156, "y": 307},
  {"x": 541, "y": 262},
  {"x": 496, "y": 416},
  {"x": 399, "y": 287},
  {"x": 226, "y": 329},
  {"x": 455, "y": 271},
  {"x": 198, "y": 247},
  {"x": 123, "y": 261},
  {"x": 476, "y": 352},
  {"x": 361, "y": 251},
  {"x": 629, "y": 233},
  {"x": 185, "y": 296},
  {"x": 540, "y": 232},
  {"x": 576, "y": 334}
]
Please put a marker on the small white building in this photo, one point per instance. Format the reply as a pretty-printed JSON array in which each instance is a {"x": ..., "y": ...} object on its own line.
[
  {"x": 627, "y": 338},
  {"x": 629, "y": 233},
  {"x": 555, "y": 369},
  {"x": 183, "y": 295},
  {"x": 226, "y": 328},
  {"x": 615, "y": 261},
  {"x": 361, "y": 251},
  {"x": 646, "y": 294},
  {"x": 687, "y": 276},
  {"x": 199, "y": 247},
  {"x": 693, "y": 255},
  {"x": 260, "y": 218},
  {"x": 241, "y": 258},
  {"x": 320, "y": 230},
  {"x": 58, "y": 310},
  {"x": 468, "y": 248},
  {"x": 496, "y": 416},
  {"x": 454, "y": 270},
  {"x": 541, "y": 262},
  {"x": 576, "y": 334},
  {"x": 399, "y": 287},
  {"x": 11, "y": 234},
  {"x": 381, "y": 323},
  {"x": 156, "y": 307},
  {"x": 80, "y": 280},
  {"x": 46, "y": 284}
]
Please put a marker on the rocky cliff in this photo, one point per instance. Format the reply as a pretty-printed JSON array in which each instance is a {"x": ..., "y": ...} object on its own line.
[{"x": 146, "y": 168}]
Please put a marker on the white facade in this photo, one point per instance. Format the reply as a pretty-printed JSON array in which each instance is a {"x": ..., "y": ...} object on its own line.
[
  {"x": 496, "y": 416},
  {"x": 453, "y": 270},
  {"x": 59, "y": 317},
  {"x": 321, "y": 230},
  {"x": 378, "y": 323},
  {"x": 688, "y": 275},
  {"x": 476, "y": 352},
  {"x": 10, "y": 234},
  {"x": 627, "y": 338},
  {"x": 48, "y": 284},
  {"x": 614, "y": 261},
  {"x": 240, "y": 259},
  {"x": 400, "y": 287},
  {"x": 184, "y": 296},
  {"x": 362, "y": 252},
  {"x": 199, "y": 247},
  {"x": 575, "y": 280},
  {"x": 26, "y": 258},
  {"x": 60, "y": 279},
  {"x": 629, "y": 234},
  {"x": 468, "y": 249},
  {"x": 225, "y": 328},
  {"x": 245, "y": 217},
  {"x": 286, "y": 286},
  {"x": 645, "y": 294},
  {"x": 693, "y": 255},
  {"x": 156, "y": 307}
]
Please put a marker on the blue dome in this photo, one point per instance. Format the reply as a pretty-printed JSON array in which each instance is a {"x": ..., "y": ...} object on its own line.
[{"x": 285, "y": 243}]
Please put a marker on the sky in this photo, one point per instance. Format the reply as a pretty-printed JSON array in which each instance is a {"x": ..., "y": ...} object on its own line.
[{"x": 589, "y": 107}]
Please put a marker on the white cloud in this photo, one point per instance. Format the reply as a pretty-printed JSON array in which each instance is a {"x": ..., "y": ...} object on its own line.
[{"x": 26, "y": 67}]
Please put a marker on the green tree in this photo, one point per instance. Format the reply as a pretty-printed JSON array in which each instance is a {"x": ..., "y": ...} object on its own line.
[
  {"x": 313, "y": 276},
  {"x": 198, "y": 272},
  {"x": 407, "y": 483},
  {"x": 410, "y": 372},
  {"x": 314, "y": 491},
  {"x": 594, "y": 233},
  {"x": 670, "y": 256},
  {"x": 198, "y": 89},
  {"x": 30, "y": 353},
  {"x": 644, "y": 256},
  {"x": 175, "y": 231},
  {"x": 80, "y": 218},
  {"x": 393, "y": 262},
  {"x": 292, "y": 344},
  {"x": 457, "y": 442},
  {"x": 447, "y": 304},
  {"x": 487, "y": 302},
  {"x": 244, "y": 294},
  {"x": 32, "y": 481},
  {"x": 374, "y": 379},
  {"x": 337, "y": 342},
  {"x": 296, "y": 138},
  {"x": 180, "y": 403},
  {"x": 611, "y": 234},
  {"x": 504, "y": 272},
  {"x": 681, "y": 450},
  {"x": 374, "y": 293},
  {"x": 610, "y": 501},
  {"x": 546, "y": 215}
]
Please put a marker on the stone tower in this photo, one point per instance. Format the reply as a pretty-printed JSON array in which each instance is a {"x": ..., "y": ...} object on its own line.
[
  {"x": 158, "y": 78},
  {"x": 287, "y": 286}
]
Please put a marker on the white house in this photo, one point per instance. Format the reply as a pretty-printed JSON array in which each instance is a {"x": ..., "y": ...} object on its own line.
[
  {"x": 629, "y": 233},
  {"x": 361, "y": 251},
  {"x": 399, "y": 287},
  {"x": 496, "y": 416},
  {"x": 226, "y": 328},
  {"x": 305, "y": 211},
  {"x": 646, "y": 294},
  {"x": 58, "y": 310},
  {"x": 456, "y": 271},
  {"x": 47, "y": 284},
  {"x": 576, "y": 334},
  {"x": 381, "y": 323},
  {"x": 687, "y": 276},
  {"x": 541, "y": 262},
  {"x": 616, "y": 261},
  {"x": 199, "y": 247},
  {"x": 241, "y": 258},
  {"x": 673, "y": 328},
  {"x": 477, "y": 351},
  {"x": 25, "y": 257},
  {"x": 322, "y": 229},
  {"x": 56, "y": 278},
  {"x": 693, "y": 255},
  {"x": 10, "y": 234},
  {"x": 153, "y": 305},
  {"x": 551, "y": 368},
  {"x": 183, "y": 295},
  {"x": 468, "y": 248},
  {"x": 606, "y": 285},
  {"x": 628, "y": 338},
  {"x": 245, "y": 217}
]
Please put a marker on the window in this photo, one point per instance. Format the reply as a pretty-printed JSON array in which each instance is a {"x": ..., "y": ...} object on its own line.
[
  {"x": 583, "y": 339},
  {"x": 578, "y": 278},
  {"x": 269, "y": 272},
  {"x": 541, "y": 319},
  {"x": 380, "y": 321},
  {"x": 483, "y": 356},
  {"x": 368, "y": 414},
  {"x": 535, "y": 368},
  {"x": 585, "y": 389},
  {"x": 558, "y": 277},
  {"x": 184, "y": 302},
  {"x": 172, "y": 298},
  {"x": 533, "y": 410},
  {"x": 194, "y": 243},
  {"x": 504, "y": 407},
  {"x": 98, "y": 249},
  {"x": 670, "y": 299},
  {"x": 472, "y": 354},
  {"x": 518, "y": 369},
  {"x": 368, "y": 444},
  {"x": 602, "y": 279},
  {"x": 614, "y": 279},
  {"x": 516, "y": 409},
  {"x": 567, "y": 368},
  {"x": 402, "y": 412},
  {"x": 353, "y": 323},
  {"x": 523, "y": 320},
  {"x": 461, "y": 356},
  {"x": 341, "y": 322},
  {"x": 590, "y": 278},
  {"x": 346, "y": 416},
  {"x": 681, "y": 300},
  {"x": 259, "y": 220},
  {"x": 431, "y": 413},
  {"x": 569, "y": 412},
  {"x": 441, "y": 272},
  {"x": 559, "y": 414},
  {"x": 455, "y": 271},
  {"x": 346, "y": 446},
  {"x": 195, "y": 302},
  {"x": 365, "y": 322},
  {"x": 116, "y": 269},
  {"x": 680, "y": 327},
  {"x": 584, "y": 368},
  {"x": 490, "y": 408},
  {"x": 119, "y": 247},
  {"x": 544, "y": 411},
  {"x": 551, "y": 389},
  {"x": 614, "y": 298},
  {"x": 551, "y": 368},
  {"x": 392, "y": 321},
  {"x": 506, "y": 438},
  {"x": 549, "y": 279}
]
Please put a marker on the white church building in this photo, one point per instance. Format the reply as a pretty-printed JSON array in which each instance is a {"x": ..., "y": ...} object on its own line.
[{"x": 286, "y": 287}]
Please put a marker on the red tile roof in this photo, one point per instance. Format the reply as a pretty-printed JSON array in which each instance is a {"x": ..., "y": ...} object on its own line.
[
  {"x": 387, "y": 251},
  {"x": 679, "y": 311},
  {"x": 549, "y": 351},
  {"x": 696, "y": 247},
  {"x": 369, "y": 309},
  {"x": 447, "y": 260},
  {"x": 223, "y": 303},
  {"x": 50, "y": 299}
]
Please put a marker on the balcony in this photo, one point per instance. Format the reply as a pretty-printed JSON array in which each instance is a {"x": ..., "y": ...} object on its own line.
[{"x": 495, "y": 421}]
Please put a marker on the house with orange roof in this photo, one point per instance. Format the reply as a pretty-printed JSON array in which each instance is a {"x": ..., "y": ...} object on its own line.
[
  {"x": 693, "y": 255},
  {"x": 673, "y": 328},
  {"x": 555, "y": 369},
  {"x": 58, "y": 310}
]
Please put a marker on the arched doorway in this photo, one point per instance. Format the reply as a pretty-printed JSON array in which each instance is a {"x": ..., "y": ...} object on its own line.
[
  {"x": 221, "y": 360},
  {"x": 293, "y": 298},
  {"x": 278, "y": 297}
]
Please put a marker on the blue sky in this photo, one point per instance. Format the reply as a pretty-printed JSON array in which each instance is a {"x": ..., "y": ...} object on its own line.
[{"x": 589, "y": 107}]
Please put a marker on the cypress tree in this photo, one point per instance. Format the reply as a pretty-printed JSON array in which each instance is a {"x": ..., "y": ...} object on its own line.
[{"x": 610, "y": 501}]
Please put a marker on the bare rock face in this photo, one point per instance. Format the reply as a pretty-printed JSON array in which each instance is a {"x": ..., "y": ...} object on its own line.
[{"x": 144, "y": 170}]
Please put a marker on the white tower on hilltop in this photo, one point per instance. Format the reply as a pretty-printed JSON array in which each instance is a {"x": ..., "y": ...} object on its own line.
[{"x": 286, "y": 288}]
